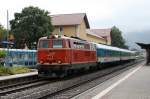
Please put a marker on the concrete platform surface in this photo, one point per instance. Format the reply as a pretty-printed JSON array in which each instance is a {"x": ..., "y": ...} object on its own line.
[
  {"x": 18, "y": 75},
  {"x": 132, "y": 84}
]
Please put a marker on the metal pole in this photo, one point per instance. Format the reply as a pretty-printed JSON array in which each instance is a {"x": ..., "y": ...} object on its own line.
[
  {"x": 8, "y": 58},
  {"x": 7, "y": 25}
]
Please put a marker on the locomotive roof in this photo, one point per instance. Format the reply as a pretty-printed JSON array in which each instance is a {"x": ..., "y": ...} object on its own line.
[
  {"x": 65, "y": 37},
  {"x": 98, "y": 45}
]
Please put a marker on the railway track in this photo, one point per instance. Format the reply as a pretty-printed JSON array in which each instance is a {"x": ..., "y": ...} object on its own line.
[
  {"x": 72, "y": 91},
  {"x": 7, "y": 89},
  {"x": 22, "y": 86},
  {"x": 48, "y": 89}
]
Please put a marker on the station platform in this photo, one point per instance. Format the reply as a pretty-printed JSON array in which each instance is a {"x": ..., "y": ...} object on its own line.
[
  {"x": 2, "y": 78},
  {"x": 131, "y": 84}
]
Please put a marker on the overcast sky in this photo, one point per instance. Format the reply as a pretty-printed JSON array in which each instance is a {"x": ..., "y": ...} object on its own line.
[{"x": 128, "y": 15}]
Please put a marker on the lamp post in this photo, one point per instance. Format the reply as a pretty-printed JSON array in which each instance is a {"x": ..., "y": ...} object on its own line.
[
  {"x": 8, "y": 58},
  {"x": 7, "y": 28}
]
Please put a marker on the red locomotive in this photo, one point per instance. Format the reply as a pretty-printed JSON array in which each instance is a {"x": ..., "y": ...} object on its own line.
[{"x": 58, "y": 56}]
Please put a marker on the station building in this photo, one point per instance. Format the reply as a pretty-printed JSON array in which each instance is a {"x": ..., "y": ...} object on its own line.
[{"x": 77, "y": 25}]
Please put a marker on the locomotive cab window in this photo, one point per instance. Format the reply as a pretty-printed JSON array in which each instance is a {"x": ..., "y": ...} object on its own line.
[
  {"x": 57, "y": 44},
  {"x": 44, "y": 44}
]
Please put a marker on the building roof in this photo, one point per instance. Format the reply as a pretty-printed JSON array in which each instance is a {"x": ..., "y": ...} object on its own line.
[
  {"x": 69, "y": 19},
  {"x": 101, "y": 32},
  {"x": 88, "y": 31}
]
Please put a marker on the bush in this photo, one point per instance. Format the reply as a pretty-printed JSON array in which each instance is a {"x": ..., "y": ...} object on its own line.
[
  {"x": 2, "y": 54},
  {"x": 18, "y": 70},
  {"x": 13, "y": 70},
  {"x": 5, "y": 71}
]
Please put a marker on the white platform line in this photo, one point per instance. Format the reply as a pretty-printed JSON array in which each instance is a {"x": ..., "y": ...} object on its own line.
[{"x": 104, "y": 92}]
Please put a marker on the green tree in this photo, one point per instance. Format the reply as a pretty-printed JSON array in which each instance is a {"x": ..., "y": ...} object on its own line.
[
  {"x": 3, "y": 33},
  {"x": 29, "y": 25},
  {"x": 117, "y": 39}
]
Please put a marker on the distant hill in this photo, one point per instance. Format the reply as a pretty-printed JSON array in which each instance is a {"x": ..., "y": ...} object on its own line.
[{"x": 133, "y": 37}]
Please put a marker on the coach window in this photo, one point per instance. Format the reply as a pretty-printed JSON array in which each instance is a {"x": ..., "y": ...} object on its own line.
[
  {"x": 102, "y": 52},
  {"x": 57, "y": 43}
]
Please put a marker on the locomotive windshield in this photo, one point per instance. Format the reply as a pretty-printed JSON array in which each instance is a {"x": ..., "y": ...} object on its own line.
[
  {"x": 57, "y": 43},
  {"x": 44, "y": 44}
]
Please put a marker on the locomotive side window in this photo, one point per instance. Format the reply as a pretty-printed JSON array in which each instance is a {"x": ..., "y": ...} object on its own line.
[
  {"x": 44, "y": 44},
  {"x": 92, "y": 47},
  {"x": 87, "y": 46},
  {"x": 57, "y": 43},
  {"x": 78, "y": 45}
]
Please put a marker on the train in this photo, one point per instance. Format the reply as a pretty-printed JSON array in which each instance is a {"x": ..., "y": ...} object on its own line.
[
  {"x": 19, "y": 57},
  {"x": 58, "y": 56}
]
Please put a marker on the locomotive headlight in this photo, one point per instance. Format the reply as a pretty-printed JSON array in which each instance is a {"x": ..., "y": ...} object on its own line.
[
  {"x": 41, "y": 62},
  {"x": 59, "y": 62}
]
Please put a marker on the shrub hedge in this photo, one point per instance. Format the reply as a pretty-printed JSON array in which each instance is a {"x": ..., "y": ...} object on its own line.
[{"x": 13, "y": 70}]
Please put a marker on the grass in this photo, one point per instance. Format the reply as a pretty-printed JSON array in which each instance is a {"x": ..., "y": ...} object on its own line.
[{"x": 13, "y": 70}]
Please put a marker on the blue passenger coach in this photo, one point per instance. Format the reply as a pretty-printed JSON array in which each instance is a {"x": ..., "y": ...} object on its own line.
[
  {"x": 20, "y": 57},
  {"x": 107, "y": 54}
]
